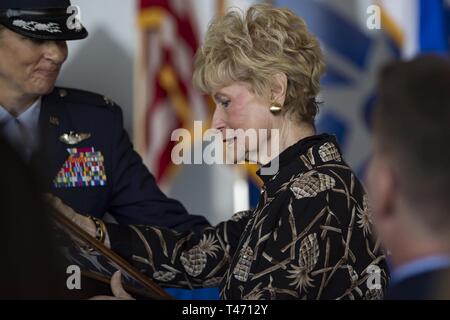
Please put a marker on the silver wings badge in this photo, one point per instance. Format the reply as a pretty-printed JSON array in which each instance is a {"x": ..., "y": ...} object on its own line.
[{"x": 72, "y": 138}]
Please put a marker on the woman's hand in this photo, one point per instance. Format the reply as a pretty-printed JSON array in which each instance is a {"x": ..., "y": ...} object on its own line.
[
  {"x": 117, "y": 290},
  {"x": 82, "y": 221}
]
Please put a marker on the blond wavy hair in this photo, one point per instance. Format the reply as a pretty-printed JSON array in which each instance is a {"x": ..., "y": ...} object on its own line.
[{"x": 252, "y": 47}]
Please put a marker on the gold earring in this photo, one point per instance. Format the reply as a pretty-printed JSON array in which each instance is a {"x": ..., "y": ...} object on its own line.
[{"x": 275, "y": 108}]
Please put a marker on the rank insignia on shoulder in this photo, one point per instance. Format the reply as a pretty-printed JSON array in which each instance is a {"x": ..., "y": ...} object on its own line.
[
  {"x": 108, "y": 101},
  {"x": 72, "y": 138},
  {"x": 84, "y": 168}
]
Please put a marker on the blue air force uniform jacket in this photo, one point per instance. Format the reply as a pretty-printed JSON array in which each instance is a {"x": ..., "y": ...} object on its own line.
[{"x": 87, "y": 160}]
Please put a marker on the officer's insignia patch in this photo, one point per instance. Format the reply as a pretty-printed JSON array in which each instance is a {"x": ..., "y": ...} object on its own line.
[
  {"x": 54, "y": 121},
  {"x": 83, "y": 168}
]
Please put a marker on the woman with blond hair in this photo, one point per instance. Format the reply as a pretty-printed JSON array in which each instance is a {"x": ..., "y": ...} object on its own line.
[{"x": 310, "y": 236}]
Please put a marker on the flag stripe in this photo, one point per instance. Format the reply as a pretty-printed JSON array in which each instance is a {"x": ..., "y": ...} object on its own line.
[{"x": 171, "y": 45}]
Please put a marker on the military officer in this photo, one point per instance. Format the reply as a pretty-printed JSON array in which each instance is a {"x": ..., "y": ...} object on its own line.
[{"x": 76, "y": 139}]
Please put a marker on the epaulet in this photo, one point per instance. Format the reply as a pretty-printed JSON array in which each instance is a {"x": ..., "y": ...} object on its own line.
[{"x": 83, "y": 97}]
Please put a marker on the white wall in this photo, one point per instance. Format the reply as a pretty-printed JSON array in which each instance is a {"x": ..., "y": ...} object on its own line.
[{"x": 103, "y": 62}]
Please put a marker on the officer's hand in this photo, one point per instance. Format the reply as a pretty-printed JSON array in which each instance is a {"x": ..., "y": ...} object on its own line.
[{"x": 82, "y": 221}]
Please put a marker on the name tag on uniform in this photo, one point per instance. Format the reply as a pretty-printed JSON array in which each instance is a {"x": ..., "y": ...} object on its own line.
[{"x": 84, "y": 168}]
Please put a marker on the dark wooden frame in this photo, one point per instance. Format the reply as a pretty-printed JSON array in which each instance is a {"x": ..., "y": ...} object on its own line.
[{"x": 152, "y": 290}]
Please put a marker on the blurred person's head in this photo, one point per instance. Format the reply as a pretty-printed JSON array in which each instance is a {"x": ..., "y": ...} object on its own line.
[
  {"x": 32, "y": 249},
  {"x": 409, "y": 176},
  {"x": 30, "y": 265},
  {"x": 262, "y": 69}
]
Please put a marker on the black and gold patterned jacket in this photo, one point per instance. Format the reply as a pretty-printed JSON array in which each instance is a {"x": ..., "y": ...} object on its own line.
[{"x": 310, "y": 237}]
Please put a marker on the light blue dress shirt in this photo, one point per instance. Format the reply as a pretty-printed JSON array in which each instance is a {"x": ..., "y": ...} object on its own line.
[
  {"x": 419, "y": 266},
  {"x": 22, "y": 132}
]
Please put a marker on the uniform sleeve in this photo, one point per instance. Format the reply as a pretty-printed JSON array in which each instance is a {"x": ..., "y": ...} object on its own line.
[
  {"x": 180, "y": 259},
  {"x": 135, "y": 196}
]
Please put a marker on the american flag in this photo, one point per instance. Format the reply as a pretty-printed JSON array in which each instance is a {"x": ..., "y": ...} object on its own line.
[{"x": 166, "y": 99}]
